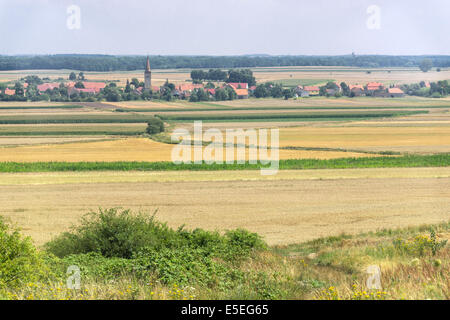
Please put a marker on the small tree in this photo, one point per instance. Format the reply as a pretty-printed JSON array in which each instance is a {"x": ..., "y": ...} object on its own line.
[
  {"x": 79, "y": 85},
  {"x": 155, "y": 125},
  {"x": 425, "y": 65},
  {"x": 72, "y": 76},
  {"x": 18, "y": 87}
]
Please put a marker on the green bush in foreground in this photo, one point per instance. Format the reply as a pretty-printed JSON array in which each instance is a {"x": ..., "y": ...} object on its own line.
[
  {"x": 113, "y": 241},
  {"x": 19, "y": 260},
  {"x": 113, "y": 233}
]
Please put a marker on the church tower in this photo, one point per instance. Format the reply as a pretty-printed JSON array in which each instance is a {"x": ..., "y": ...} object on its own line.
[{"x": 147, "y": 76}]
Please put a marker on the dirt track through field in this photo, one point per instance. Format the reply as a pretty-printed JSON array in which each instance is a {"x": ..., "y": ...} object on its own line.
[{"x": 283, "y": 211}]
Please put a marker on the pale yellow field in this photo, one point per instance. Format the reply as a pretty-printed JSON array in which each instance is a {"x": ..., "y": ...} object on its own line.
[
  {"x": 412, "y": 138},
  {"x": 33, "y": 178},
  {"x": 337, "y": 102},
  {"x": 28, "y": 103},
  {"x": 158, "y": 76},
  {"x": 21, "y": 141},
  {"x": 129, "y": 149},
  {"x": 295, "y": 207},
  {"x": 350, "y": 75}
]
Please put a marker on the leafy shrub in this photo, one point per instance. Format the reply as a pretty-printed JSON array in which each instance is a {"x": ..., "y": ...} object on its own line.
[
  {"x": 92, "y": 265},
  {"x": 241, "y": 242},
  {"x": 113, "y": 242},
  {"x": 120, "y": 233},
  {"x": 155, "y": 125},
  {"x": 19, "y": 260},
  {"x": 113, "y": 233},
  {"x": 184, "y": 265}
]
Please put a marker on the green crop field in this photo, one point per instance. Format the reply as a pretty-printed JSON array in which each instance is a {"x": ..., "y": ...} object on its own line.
[
  {"x": 78, "y": 118},
  {"x": 281, "y": 107},
  {"x": 64, "y": 130},
  {"x": 330, "y": 116},
  {"x": 408, "y": 161}
]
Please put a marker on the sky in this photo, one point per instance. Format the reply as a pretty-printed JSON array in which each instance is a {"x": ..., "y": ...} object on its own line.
[{"x": 225, "y": 27}]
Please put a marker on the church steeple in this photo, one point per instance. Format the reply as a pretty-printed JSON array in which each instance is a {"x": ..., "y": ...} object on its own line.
[
  {"x": 147, "y": 76},
  {"x": 147, "y": 68}
]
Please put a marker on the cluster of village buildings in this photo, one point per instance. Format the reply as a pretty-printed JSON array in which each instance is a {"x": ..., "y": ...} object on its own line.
[
  {"x": 89, "y": 87},
  {"x": 242, "y": 90},
  {"x": 182, "y": 90},
  {"x": 375, "y": 89}
]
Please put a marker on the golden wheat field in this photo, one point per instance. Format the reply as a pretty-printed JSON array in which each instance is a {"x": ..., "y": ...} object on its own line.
[
  {"x": 404, "y": 139},
  {"x": 130, "y": 149},
  {"x": 291, "y": 208}
]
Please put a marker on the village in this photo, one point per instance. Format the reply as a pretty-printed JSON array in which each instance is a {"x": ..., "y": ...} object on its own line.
[
  {"x": 77, "y": 88},
  {"x": 213, "y": 85},
  {"x": 241, "y": 90}
]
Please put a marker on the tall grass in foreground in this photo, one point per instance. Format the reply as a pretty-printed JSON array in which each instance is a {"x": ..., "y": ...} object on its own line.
[
  {"x": 407, "y": 161},
  {"x": 123, "y": 255}
]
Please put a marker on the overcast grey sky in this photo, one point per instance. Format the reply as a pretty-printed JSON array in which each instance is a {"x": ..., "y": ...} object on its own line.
[{"x": 226, "y": 27}]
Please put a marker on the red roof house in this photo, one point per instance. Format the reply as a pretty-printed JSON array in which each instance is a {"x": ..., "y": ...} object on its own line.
[
  {"x": 188, "y": 87},
  {"x": 47, "y": 86},
  {"x": 96, "y": 86},
  {"x": 356, "y": 89},
  {"x": 238, "y": 85},
  {"x": 241, "y": 93},
  {"x": 396, "y": 92},
  {"x": 373, "y": 86},
  {"x": 10, "y": 92}
]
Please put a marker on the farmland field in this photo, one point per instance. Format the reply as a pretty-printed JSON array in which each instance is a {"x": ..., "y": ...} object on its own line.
[
  {"x": 343, "y": 161},
  {"x": 72, "y": 129},
  {"x": 289, "y": 208},
  {"x": 131, "y": 149}
]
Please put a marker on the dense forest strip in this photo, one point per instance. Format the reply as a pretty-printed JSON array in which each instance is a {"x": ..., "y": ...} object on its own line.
[
  {"x": 108, "y": 63},
  {"x": 407, "y": 161}
]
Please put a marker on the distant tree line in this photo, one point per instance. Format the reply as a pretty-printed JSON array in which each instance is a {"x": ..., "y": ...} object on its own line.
[
  {"x": 127, "y": 63},
  {"x": 437, "y": 89},
  {"x": 236, "y": 76}
]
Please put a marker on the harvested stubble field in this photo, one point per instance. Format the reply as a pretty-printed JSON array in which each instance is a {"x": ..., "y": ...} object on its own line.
[
  {"x": 280, "y": 104},
  {"x": 413, "y": 139},
  {"x": 132, "y": 149},
  {"x": 291, "y": 208},
  {"x": 39, "y": 140}
]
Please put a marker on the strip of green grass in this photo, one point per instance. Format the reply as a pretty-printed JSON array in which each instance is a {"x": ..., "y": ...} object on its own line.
[
  {"x": 275, "y": 108},
  {"x": 296, "y": 116},
  {"x": 407, "y": 161},
  {"x": 84, "y": 118},
  {"x": 140, "y": 118}
]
